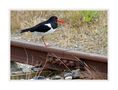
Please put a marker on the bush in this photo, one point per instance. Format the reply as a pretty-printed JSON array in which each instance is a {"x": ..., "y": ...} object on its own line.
[{"x": 88, "y": 16}]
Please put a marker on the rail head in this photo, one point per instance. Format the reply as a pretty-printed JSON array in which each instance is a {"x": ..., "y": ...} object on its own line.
[{"x": 40, "y": 47}]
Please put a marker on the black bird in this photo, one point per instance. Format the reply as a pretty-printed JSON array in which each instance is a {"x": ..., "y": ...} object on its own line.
[{"x": 46, "y": 27}]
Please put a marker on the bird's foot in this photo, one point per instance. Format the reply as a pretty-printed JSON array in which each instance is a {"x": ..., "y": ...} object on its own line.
[{"x": 46, "y": 44}]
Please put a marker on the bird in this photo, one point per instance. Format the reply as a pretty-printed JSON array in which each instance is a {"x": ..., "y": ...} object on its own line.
[{"x": 46, "y": 27}]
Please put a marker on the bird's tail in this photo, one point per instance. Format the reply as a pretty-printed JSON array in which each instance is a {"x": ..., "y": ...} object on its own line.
[{"x": 25, "y": 30}]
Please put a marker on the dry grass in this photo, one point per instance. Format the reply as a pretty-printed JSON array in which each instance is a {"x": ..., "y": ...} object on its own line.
[{"x": 83, "y": 30}]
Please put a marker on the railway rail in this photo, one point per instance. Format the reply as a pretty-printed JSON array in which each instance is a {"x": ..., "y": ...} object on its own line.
[{"x": 56, "y": 58}]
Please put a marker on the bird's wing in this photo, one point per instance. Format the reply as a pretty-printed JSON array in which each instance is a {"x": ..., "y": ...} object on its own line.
[{"x": 40, "y": 28}]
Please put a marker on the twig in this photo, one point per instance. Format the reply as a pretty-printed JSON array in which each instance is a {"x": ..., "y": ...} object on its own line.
[
  {"x": 58, "y": 58},
  {"x": 43, "y": 65},
  {"x": 38, "y": 70},
  {"x": 49, "y": 74},
  {"x": 86, "y": 66},
  {"x": 31, "y": 64},
  {"x": 26, "y": 59}
]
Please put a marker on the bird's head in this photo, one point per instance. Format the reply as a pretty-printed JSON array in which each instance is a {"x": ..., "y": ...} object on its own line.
[{"x": 55, "y": 19}]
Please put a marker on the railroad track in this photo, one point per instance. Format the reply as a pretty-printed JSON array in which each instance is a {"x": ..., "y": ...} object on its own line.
[{"x": 57, "y": 58}]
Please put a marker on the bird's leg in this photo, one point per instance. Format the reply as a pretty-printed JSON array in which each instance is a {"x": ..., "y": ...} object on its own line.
[{"x": 46, "y": 44}]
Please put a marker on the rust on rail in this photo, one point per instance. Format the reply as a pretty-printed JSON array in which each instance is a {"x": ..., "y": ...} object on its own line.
[{"x": 35, "y": 53}]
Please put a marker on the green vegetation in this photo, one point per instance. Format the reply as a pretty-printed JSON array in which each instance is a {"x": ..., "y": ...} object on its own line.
[{"x": 89, "y": 16}]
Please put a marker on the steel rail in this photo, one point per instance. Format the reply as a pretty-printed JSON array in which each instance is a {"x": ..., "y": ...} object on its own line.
[{"x": 40, "y": 47}]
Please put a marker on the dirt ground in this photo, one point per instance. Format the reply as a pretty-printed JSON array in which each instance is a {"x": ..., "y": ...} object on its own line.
[{"x": 82, "y": 31}]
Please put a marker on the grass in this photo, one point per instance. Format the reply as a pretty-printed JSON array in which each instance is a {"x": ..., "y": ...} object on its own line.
[{"x": 83, "y": 30}]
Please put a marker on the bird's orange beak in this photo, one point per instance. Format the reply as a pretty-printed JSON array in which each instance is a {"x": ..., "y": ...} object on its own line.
[{"x": 61, "y": 21}]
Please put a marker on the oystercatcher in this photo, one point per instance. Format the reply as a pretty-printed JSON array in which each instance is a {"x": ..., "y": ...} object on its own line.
[{"x": 46, "y": 27}]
